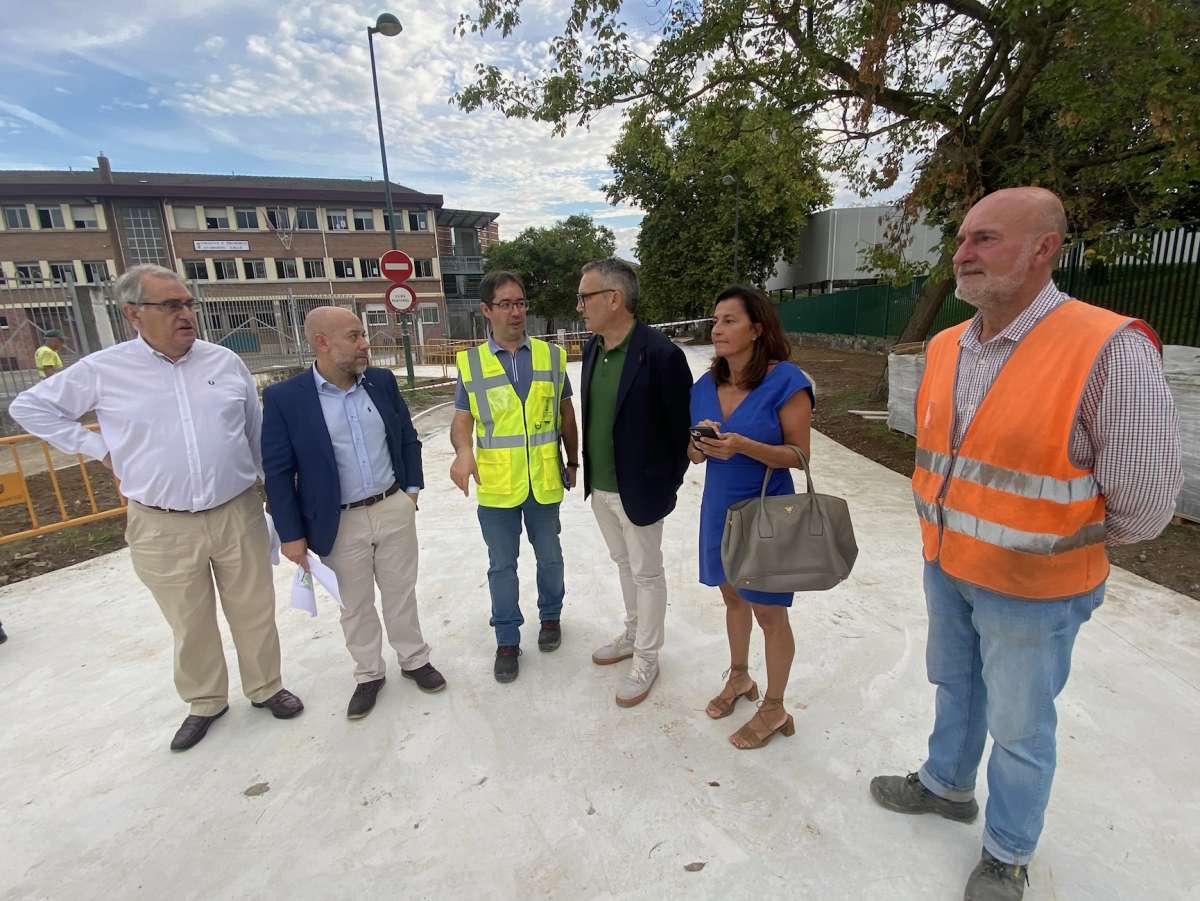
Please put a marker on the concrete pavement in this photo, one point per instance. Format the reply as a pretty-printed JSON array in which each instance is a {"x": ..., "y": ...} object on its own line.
[{"x": 545, "y": 788}]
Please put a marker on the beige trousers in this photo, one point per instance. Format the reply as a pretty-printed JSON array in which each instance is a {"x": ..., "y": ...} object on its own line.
[
  {"x": 378, "y": 544},
  {"x": 637, "y": 551},
  {"x": 177, "y": 556}
]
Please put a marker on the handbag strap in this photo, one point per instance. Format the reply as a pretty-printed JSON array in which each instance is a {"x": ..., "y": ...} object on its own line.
[{"x": 803, "y": 465}]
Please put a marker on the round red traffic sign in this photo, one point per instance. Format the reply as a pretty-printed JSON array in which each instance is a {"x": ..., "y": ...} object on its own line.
[
  {"x": 396, "y": 266},
  {"x": 400, "y": 299}
]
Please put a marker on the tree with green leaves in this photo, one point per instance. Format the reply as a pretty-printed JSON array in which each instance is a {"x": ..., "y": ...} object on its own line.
[
  {"x": 549, "y": 259},
  {"x": 1094, "y": 99},
  {"x": 726, "y": 186}
]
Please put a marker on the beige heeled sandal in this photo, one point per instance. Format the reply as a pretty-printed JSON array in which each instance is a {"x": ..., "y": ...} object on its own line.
[
  {"x": 724, "y": 703},
  {"x": 752, "y": 738}
]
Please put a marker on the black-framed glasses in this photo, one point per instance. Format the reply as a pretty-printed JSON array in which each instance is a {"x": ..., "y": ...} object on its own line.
[
  {"x": 170, "y": 306},
  {"x": 583, "y": 298},
  {"x": 507, "y": 306}
]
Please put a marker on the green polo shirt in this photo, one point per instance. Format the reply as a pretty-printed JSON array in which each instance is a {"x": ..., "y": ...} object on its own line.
[{"x": 602, "y": 412}]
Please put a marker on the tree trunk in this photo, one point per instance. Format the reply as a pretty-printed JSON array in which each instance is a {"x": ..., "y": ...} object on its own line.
[{"x": 933, "y": 294}]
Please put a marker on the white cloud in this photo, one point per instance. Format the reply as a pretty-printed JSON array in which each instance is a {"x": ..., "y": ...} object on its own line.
[
  {"x": 19, "y": 112},
  {"x": 213, "y": 45}
]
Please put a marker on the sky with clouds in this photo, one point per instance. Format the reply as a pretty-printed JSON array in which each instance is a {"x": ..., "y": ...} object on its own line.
[{"x": 261, "y": 87}]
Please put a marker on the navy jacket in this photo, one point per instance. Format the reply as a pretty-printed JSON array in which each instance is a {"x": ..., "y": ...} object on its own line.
[
  {"x": 301, "y": 473},
  {"x": 650, "y": 430}
]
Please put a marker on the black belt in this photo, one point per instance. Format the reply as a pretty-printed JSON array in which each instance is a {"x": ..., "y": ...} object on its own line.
[{"x": 368, "y": 501}]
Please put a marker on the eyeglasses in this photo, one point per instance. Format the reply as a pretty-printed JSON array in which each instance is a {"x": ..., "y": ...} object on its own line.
[
  {"x": 507, "y": 306},
  {"x": 583, "y": 298},
  {"x": 171, "y": 306}
]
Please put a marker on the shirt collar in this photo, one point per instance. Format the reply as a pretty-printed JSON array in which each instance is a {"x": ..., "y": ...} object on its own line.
[
  {"x": 146, "y": 348},
  {"x": 322, "y": 382},
  {"x": 623, "y": 343},
  {"x": 496, "y": 348},
  {"x": 1045, "y": 301}
]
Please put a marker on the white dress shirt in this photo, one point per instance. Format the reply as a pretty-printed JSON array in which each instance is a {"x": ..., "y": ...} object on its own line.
[{"x": 182, "y": 435}]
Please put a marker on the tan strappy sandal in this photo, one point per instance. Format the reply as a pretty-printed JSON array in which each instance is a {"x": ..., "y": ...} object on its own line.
[
  {"x": 724, "y": 702},
  {"x": 752, "y": 737}
]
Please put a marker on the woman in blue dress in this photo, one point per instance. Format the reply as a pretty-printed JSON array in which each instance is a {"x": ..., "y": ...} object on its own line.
[{"x": 757, "y": 402}]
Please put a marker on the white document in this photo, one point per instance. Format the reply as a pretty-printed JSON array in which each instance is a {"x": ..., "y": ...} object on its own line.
[
  {"x": 304, "y": 596},
  {"x": 272, "y": 536}
]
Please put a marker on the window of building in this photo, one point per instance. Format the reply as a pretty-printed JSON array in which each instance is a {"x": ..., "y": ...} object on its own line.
[
  {"x": 418, "y": 221},
  {"x": 370, "y": 267},
  {"x": 306, "y": 218},
  {"x": 62, "y": 273},
  {"x": 337, "y": 220},
  {"x": 343, "y": 268},
  {"x": 225, "y": 269},
  {"x": 471, "y": 285},
  {"x": 286, "y": 269},
  {"x": 216, "y": 217},
  {"x": 387, "y": 222},
  {"x": 185, "y": 218},
  {"x": 466, "y": 242},
  {"x": 364, "y": 221},
  {"x": 3, "y": 319},
  {"x": 197, "y": 270},
  {"x": 95, "y": 271},
  {"x": 255, "y": 268},
  {"x": 450, "y": 285},
  {"x": 247, "y": 218},
  {"x": 83, "y": 215},
  {"x": 16, "y": 217},
  {"x": 429, "y": 315},
  {"x": 314, "y": 268},
  {"x": 278, "y": 216},
  {"x": 50, "y": 217},
  {"x": 28, "y": 273},
  {"x": 422, "y": 268}
]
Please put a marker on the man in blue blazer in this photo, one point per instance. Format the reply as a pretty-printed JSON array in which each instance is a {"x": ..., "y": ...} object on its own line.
[
  {"x": 635, "y": 389},
  {"x": 343, "y": 469}
]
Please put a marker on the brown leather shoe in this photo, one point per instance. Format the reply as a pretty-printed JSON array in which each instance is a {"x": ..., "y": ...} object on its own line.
[
  {"x": 194, "y": 728},
  {"x": 283, "y": 704}
]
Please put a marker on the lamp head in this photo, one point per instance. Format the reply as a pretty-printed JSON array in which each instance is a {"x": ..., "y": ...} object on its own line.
[{"x": 388, "y": 25}]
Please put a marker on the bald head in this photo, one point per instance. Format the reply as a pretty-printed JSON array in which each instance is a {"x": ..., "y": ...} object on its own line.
[
  {"x": 340, "y": 342},
  {"x": 1035, "y": 210},
  {"x": 327, "y": 320}
]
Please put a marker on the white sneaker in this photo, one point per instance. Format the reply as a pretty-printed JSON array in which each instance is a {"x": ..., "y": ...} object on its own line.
[
  {"x": 620, "y": 648},
  {"x": 636, "y": 685}
]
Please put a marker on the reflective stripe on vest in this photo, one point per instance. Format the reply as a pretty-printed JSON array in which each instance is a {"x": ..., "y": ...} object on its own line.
[
  {"x": 1023, "y": 484},
  {"x": 1006, "y": 536}
]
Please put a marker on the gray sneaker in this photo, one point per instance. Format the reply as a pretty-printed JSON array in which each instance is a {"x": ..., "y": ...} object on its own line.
[
  {"x": 995, "y": 880},
  {"x": 906, "y": 794},
  {"x": 620, "y": 648},
  {"x": 636, "y": 685}
]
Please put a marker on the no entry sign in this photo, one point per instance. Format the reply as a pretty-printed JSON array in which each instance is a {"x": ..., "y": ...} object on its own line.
[{"x": 396, "y": 266}]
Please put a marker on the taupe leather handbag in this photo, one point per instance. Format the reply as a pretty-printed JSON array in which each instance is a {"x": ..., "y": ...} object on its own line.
[{"x": 788, "y": 542}]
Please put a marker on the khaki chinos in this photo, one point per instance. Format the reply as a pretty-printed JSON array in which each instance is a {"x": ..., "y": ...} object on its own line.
[
  {"x": 177, "y": 555},
  {"x": 378, "y": 544}
]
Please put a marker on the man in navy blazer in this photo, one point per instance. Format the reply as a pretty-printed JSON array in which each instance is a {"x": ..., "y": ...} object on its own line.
[
  {"x": 636, "y": 390},
  {"x": 342, "y": 463}
]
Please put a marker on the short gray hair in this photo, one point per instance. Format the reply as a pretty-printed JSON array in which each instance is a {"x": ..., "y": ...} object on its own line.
[
  {"x": 618, "y": 275},
  {"x": 129, "y": 289}
]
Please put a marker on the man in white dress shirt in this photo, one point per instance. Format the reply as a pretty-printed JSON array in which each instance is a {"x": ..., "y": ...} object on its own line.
[{"x": 180, "y": 424}]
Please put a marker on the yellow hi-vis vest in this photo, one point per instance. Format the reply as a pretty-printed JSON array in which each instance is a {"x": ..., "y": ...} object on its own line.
[{"x": 515, "y": 446}]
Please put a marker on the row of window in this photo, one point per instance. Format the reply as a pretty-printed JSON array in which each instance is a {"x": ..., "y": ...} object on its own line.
[
  {"x": 336, "y": 220},
  {"x": 50, "y": 216},
  {"x": 94, "y": 272},
  {"x": 227, "y": 270}
]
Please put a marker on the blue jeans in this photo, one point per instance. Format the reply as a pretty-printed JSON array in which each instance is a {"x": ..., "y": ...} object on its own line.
[
  {"x": 998, "y": 663},
  {"x": 502, "y": 533}
]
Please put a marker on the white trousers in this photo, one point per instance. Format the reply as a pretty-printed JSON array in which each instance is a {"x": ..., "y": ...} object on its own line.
[{"x": 637, "y": 551}]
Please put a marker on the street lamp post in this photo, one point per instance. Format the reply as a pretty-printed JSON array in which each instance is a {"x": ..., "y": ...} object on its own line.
[
  {"x": 389, "y": 26},
  {"x": 737, "y": 213}
]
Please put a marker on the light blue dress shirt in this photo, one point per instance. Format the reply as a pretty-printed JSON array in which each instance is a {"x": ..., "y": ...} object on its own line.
[{"x": 359, "y": 439}]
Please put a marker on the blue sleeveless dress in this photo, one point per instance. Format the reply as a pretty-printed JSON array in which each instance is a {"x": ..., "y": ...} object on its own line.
[{"x": 729, "y": 481}]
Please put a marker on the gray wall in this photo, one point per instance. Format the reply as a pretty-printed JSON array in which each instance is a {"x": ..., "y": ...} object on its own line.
[{"x": 830, "y": 247}]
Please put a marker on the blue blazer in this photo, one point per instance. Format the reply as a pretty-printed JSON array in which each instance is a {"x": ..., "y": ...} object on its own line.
[{"x": 301, "y": 473}]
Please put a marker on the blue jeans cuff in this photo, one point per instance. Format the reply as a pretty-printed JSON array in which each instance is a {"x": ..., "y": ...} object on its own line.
[
  {"x": 942, "y": 790},
  {"x": 993, "y": 847}
]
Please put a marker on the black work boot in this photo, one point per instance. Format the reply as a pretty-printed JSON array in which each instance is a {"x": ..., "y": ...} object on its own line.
[
  {"x": 995, "y": 880},
  {"x": 507, "y": 665},
  {"x": 550, "y": 635},
  {"x": 906, "y": 794}
]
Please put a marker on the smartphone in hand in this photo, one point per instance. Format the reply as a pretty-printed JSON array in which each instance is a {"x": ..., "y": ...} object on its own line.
[{"x": 702, "y": 431}]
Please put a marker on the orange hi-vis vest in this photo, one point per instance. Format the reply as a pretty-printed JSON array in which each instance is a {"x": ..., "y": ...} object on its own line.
[{"x": 1008, "y": 510}]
